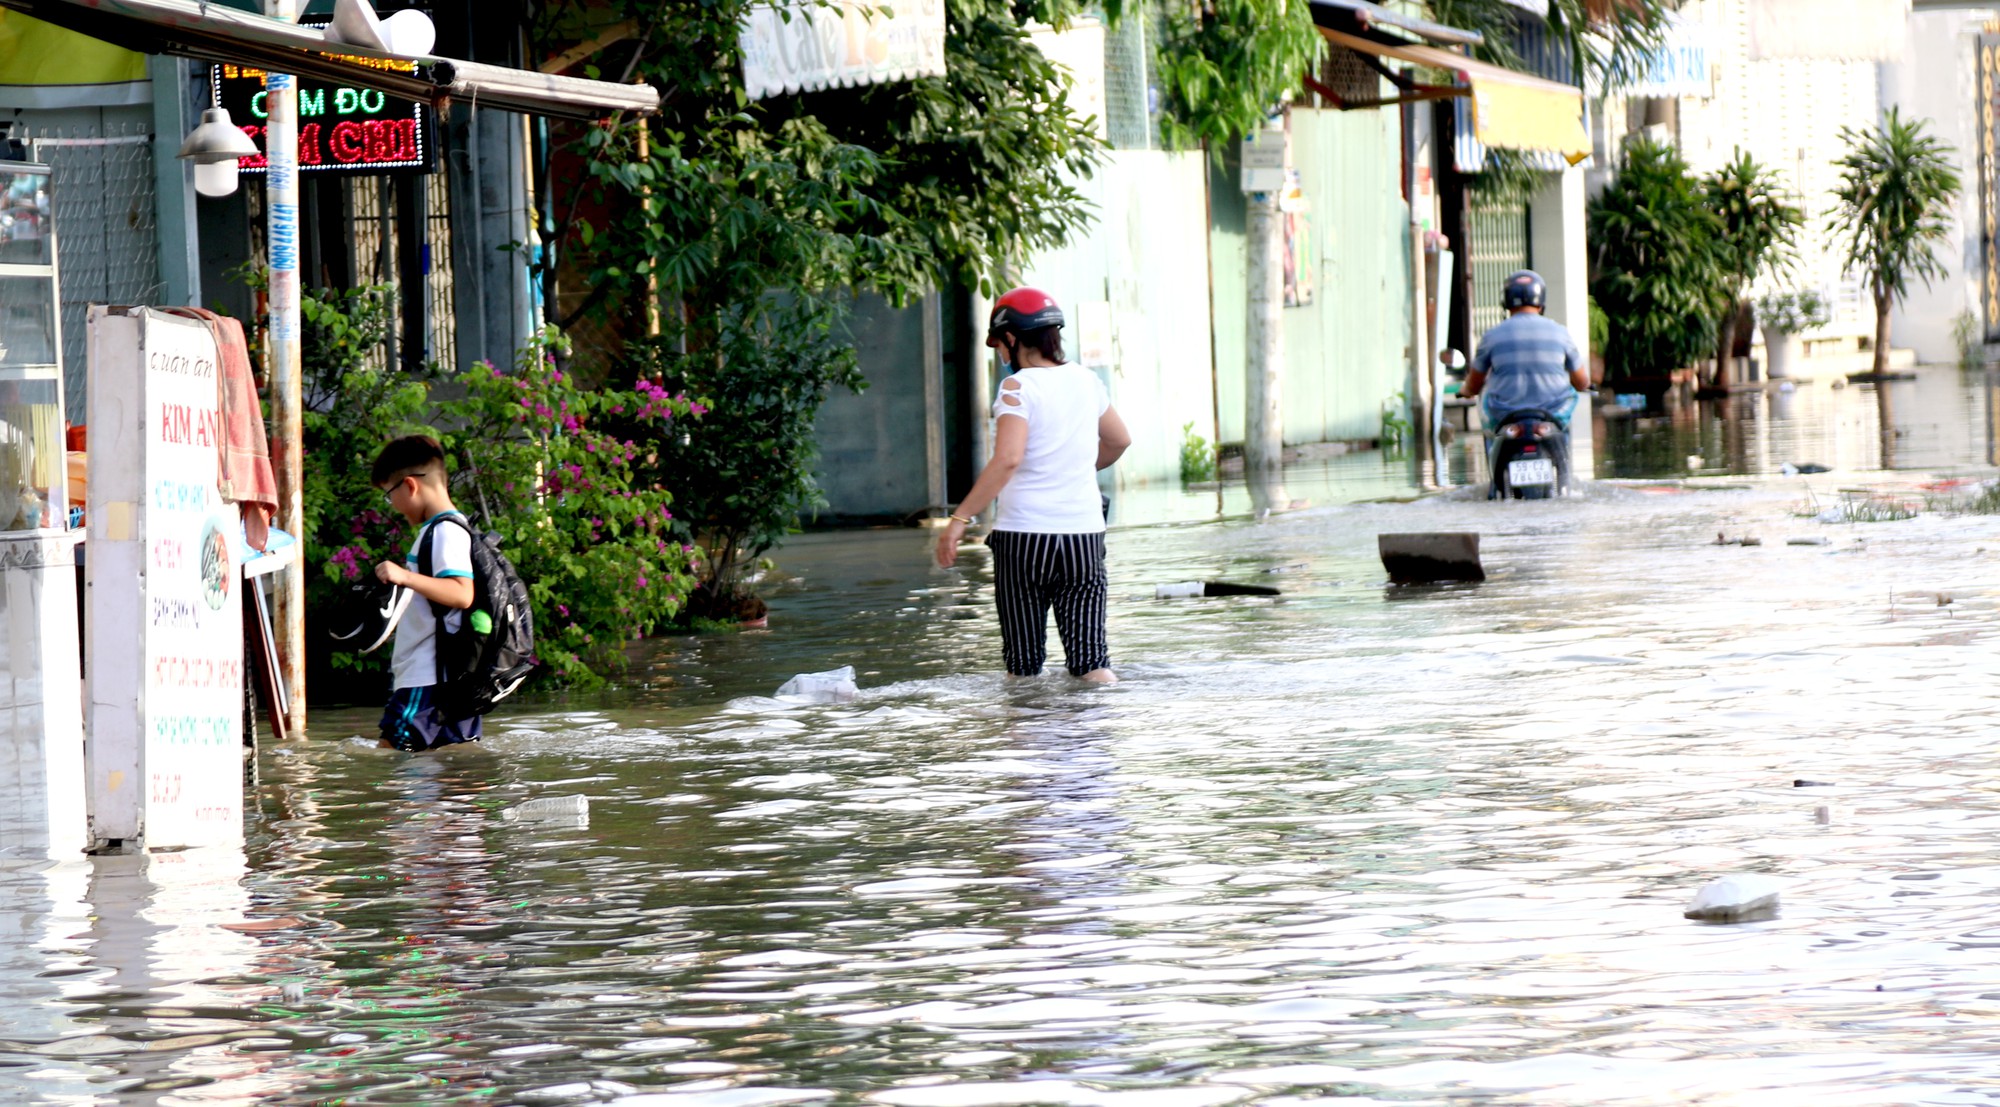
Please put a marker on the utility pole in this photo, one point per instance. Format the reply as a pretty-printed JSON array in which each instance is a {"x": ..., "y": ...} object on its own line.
[
  {"x": 281, "y": 212},
  {"x": 1264, "y": 160}
]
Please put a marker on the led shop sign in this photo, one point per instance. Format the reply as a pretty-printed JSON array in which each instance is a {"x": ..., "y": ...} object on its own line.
[{"x": 342, "y": 129}]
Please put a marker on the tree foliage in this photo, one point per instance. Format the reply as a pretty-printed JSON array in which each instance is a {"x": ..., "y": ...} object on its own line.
[
  {"x": 897, "y": 188},
  {"x": 1659, "y": 272},
  {"x": 1759, "y": 233},
  {"x": 530, "y": 459},
  {"x": 1223, "y": 66},
  {"x": 1897, "y": 186},
  {"x": 748, "y": 225},
  {"x": 1610, "y": 41}
]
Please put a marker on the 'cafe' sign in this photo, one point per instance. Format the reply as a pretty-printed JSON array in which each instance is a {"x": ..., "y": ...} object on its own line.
[{"x": 341, "y": 128}]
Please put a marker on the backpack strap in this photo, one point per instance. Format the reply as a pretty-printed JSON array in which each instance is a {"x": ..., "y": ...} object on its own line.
[{"x": 424, "y": 566}]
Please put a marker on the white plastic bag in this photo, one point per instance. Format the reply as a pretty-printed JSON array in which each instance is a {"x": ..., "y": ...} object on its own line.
[{"x": 832, "y": 686}]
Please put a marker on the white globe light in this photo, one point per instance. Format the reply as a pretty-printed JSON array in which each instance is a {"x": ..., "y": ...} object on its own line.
[
  {"x": 215, "y": 178},
  {"x": 411, "y": 33}
]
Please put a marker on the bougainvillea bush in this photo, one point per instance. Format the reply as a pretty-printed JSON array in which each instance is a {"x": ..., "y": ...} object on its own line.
[{"x": 531, "y": 461}]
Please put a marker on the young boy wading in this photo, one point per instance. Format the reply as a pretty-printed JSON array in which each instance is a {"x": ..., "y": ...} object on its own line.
[{"x": 411, "y": 472}]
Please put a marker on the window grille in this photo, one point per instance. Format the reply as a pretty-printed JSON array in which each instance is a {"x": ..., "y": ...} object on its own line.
[{"x": 106, "y": 237}]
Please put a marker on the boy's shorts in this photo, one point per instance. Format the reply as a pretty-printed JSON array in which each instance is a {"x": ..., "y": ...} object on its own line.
[{"x": 411, "y": 722}]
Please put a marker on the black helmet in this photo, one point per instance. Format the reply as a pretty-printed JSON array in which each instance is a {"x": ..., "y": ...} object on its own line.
[{"x": 1524, "y": 288}]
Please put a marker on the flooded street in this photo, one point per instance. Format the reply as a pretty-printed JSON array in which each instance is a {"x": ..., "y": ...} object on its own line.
[{"x": 1353, "y": 845}]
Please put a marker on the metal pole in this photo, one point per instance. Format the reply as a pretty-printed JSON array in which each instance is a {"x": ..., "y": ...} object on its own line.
[{"x": 281, "y": 205}]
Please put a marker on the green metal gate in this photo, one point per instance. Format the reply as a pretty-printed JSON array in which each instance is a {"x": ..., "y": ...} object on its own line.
[{"x": 1499, "y": 247}]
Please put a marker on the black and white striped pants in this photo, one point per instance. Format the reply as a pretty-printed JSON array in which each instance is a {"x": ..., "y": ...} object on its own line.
[{"x": 1034, "y": 572}]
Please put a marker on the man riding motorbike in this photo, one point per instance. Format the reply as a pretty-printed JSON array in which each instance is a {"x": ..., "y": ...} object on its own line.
[{"x": 1529, "y": 363}]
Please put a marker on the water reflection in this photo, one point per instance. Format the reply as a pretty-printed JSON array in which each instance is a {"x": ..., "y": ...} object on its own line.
[
  {"x": 1345, "y": 845},
  {"x": 1936, "y": 418}
]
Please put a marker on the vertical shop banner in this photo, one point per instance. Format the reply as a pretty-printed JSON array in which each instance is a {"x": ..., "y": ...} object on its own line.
[
  {"x": 1989, "y": 184},
  {"x": 166, "y": 643}
]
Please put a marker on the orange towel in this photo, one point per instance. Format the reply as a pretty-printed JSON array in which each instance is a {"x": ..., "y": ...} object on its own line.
[{"x": 247, "y": 478}]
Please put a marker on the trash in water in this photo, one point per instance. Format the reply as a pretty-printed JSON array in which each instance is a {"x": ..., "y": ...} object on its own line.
[
  {"x": 1812, "y": 784},
  {"x": 832, "y": 686},
  {"x": 569, "y": 811},
  {"x": 1744, "y": 897},
  {"x": 1189, "y": 588}
]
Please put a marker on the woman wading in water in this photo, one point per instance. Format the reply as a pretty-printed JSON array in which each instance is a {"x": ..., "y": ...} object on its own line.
[{"x": 1053, "y": 429}]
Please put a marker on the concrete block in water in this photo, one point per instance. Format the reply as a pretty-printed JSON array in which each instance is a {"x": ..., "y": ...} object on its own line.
[
  {"x": 1744, "y": 897},
  {"x": 832, "y": 686},
  {"x": 1430, "y": 558}
]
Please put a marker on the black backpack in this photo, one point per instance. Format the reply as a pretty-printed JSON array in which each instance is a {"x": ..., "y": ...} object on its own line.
[{"x": 478, "y": 667}]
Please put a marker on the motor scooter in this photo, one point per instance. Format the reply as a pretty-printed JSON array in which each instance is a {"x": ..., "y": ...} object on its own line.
[{"x": 1530, "y": 457}]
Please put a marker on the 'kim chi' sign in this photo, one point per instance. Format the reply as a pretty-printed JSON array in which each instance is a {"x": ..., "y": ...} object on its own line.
[{"x": 342, "y": 128}]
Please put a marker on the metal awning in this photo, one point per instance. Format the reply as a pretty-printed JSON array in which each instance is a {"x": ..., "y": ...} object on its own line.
[
  {"x": 1364, "y": 18},
  {"x": 1512, "y": 110},
  {"x": 211, "y": 32}
]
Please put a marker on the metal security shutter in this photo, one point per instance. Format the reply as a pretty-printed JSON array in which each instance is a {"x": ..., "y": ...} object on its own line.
[
  {"x": 1499, "y": 247},
  {"x": 108, "y": 251}
]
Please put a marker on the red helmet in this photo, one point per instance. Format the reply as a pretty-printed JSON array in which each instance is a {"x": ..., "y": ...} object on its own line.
[{"x": 1022, "y": 309}]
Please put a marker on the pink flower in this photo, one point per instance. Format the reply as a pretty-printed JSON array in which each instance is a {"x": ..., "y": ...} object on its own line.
[
  {"x": 697, "y": 409},
  {"x": 642, "y": 580}
]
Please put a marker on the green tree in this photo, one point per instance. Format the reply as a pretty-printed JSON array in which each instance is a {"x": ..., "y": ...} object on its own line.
[
  {"x": 1612, "y": 42},
  {"x": 1759, "y": 232},
  {"x": 1658, "y": 265},
  {"x": 747, "y": 225},
  {"x": 1225, "y": 65},
  {"x": 1897, "y": 185}
]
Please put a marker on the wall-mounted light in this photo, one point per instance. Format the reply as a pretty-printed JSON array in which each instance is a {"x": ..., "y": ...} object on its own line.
[{"x": 215, "y": 147}]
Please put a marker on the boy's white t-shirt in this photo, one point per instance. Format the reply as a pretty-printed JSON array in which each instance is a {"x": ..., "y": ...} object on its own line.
[
  {"x": 1055, "y": 489},
  {"x": 414, "y": 664}
]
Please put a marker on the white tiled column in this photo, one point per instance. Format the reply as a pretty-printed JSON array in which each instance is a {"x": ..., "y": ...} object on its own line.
[{"x": 1557, "y": 251}]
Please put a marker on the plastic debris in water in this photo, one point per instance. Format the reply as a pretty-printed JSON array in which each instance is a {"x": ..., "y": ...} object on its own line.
[
  {"x": 571, "y": 811},
  {"x": 1744, "y": 897},
  {"x": 1188, "y": 588},
  {"x": 832, "y": 686}
]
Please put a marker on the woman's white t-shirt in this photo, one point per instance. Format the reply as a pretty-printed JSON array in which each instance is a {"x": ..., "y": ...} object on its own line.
[{"x": 1055, "y": 489}]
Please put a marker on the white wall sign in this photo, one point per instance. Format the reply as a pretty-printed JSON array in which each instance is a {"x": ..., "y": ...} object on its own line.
[
  {"x": 1094, "y": 337},
  {"x": 1837, "y": 30},
  {"x": 165, "y": 614},
  {"x": 1264, "y": 161},
  {"x": 1080, "y": 53},
  {"x": 1683, "y": 66},
  {"x": 806, "y": 45}
]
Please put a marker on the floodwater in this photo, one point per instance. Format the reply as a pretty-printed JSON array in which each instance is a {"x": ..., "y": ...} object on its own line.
[{"x": 1355, "y": 845}]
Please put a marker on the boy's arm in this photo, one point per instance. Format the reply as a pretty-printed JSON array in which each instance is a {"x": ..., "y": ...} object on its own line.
[{"x": 450, "y": 591}]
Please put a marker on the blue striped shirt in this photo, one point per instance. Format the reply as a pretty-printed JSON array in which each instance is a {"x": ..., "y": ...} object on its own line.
[{"x": 1527, "y": 361}]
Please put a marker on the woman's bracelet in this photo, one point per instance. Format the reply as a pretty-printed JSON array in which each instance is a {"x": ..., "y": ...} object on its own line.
[{"x": 960, "y": 519}]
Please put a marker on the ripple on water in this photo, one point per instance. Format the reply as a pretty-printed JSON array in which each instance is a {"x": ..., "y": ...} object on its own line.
[{"x": 1360, "y": 846}]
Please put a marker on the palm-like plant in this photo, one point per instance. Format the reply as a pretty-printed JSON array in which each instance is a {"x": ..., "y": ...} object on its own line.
[
  {"x": 1659, "y": 269},
  {"x": 1759, "y": 231},
  {"x": 1896, "y": 189}
]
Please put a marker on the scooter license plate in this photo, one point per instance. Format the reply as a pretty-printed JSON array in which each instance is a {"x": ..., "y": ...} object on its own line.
[{"x": 1531, "y": 471}]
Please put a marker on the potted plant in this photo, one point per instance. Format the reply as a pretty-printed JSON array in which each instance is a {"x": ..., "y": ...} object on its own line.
[{"x": 1785, "y": 316}]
